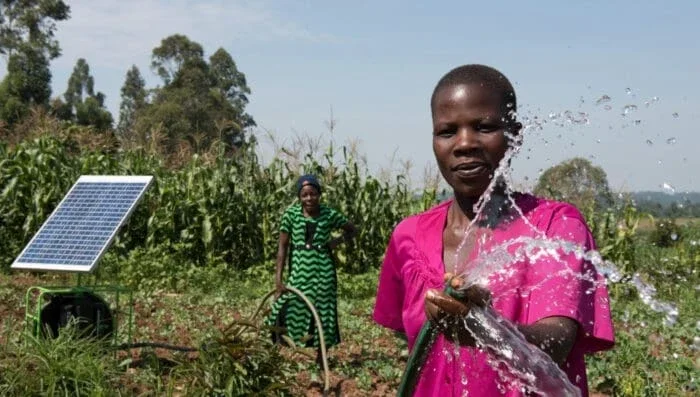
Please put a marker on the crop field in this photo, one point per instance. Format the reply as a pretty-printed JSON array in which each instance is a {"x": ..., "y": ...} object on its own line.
[{"x": 198, "y": 253}]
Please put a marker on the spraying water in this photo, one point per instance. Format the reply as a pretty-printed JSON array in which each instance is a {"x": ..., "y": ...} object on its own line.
[{"x": 479, "y": 261}]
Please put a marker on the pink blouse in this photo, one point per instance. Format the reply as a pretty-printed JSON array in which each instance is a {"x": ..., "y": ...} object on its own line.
[{"x": 531, "y": 291}]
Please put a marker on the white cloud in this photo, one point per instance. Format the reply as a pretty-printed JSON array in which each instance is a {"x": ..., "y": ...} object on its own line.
[{"x": 115, "y": 33}]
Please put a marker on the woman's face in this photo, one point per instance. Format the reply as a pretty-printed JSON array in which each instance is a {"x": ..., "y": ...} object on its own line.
[
  {"x": 310, "y": 198},
  {"x": 469, "y": 124}
]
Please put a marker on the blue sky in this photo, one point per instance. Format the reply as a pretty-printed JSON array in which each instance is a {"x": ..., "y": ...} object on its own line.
[{"x": 376, "y": 62}]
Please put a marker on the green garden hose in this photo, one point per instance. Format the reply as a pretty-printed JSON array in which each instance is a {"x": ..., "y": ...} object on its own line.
[
  {"x": 319, "y": 327},
  {"x": 424, "y": 343}
]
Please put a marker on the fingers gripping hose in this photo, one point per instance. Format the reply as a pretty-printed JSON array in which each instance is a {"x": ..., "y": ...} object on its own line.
[{"x": 422, "y": 347}]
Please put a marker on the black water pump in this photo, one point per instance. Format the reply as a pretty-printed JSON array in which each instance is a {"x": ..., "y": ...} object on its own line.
[{"x": 89, "y": 311}]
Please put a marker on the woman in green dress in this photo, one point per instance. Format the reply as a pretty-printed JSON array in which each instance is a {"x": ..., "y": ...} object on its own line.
[{"x": 305, "y": 242}]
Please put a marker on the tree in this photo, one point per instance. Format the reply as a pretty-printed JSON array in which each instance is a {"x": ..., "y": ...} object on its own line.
[
  {"x": 232, "y": 84},
  {"x": 26, "y": 84},
  {"x": 27, "y": 39},
  {"x": 81, "y": 104},
  {"x": 168, "y": 58},
  {"x": 200, "y": 102},
  {"x": 133, "y": 100},
  {"x": 578, "y": 182},
  {"x": 31, "y": 23}
]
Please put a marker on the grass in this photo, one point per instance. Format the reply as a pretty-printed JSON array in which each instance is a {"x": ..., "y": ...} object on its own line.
[{"x": 649, "y": 359}]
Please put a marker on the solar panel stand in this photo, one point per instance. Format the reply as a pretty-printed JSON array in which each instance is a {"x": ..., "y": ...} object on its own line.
[
  {"x": 37, "y": 297},
  {"x": 74, "y": 238}
]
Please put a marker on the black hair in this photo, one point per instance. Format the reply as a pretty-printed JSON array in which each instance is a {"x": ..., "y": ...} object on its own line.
[{"x": 480, "y": 74}]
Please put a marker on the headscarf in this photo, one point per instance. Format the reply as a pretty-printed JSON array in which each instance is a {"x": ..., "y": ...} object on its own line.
[{"x": 308, "y": 179}]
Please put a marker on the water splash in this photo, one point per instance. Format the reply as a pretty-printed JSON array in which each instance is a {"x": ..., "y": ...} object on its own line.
[
  {"x": 603, "y": 99},
  {"x": 667, "y": 188},
  {"x": 518, "y": 363},
  {"x": 628, "y": 109}
]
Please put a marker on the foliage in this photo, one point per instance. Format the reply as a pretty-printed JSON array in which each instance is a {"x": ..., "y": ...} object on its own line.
[
  {"x": 67, "y": 365},
  {"x": 215, "y": 209},
  {"x": 614, "y": 231},
  {"x": 669, "y": 205},
  {"x": 27, "y": 39},
  {"x": 31, "y": 23},
  {"x": 666, "y": 233},
  {"x": 240, "y": 361},
  {"x": 27, "y": 83},
  {"x": 649, "y": 358},
  {"x": 576, "y": 181},
  {"x": 133, "y": 101},
  {"x": 201, "y": 103},
  {"x": 82, "y": 105}
]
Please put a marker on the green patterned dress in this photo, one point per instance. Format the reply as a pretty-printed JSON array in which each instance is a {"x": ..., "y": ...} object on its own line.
[{"x": 312, "y": 271}]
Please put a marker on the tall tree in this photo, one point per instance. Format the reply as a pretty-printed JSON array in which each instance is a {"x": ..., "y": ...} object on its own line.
[
  {"x": 173, "y": 52},
  {"x": 26, "y": 84},
  {"x": 133, "y": 100},
  {"x": 27, "y": 30},
  {"x": 576, "y": 181},
  {"x": 200, "y": 102},
  {"x": 33, "y": 23},
  {"x": 81, "y": 104},
  {"x": 231, "y": 83}
]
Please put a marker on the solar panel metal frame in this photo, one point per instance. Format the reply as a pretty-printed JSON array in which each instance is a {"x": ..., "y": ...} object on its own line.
[{"x": 145, "y": 179}]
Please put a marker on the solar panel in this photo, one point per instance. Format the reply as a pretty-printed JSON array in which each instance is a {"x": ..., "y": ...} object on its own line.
[{"x": 83, "y": 224}]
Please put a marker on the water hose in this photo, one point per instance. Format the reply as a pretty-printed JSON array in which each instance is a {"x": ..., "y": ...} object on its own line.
[
  {"x": 317, "y": 320},
  {"x": 424, "y": 343},
  {"x": 319, "y": 327}
]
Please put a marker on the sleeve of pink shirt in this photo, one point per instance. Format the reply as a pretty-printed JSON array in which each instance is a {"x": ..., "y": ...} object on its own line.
[
  {"x": 564, "y": 286},
  {"x": 390, "y": 291}
]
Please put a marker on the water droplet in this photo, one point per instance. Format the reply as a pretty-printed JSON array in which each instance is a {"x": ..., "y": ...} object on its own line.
[
  {"x": 671, "y": 141},
  {"x": 667, "y": 188},
  {"x": 628, "y": 91},
  {"x": 603, "y": 99},
  {"x": 597, "y": 140},
  {"x": 637, "y": 122},
  {"x": 675, "y": 115},
  {"x": 628, "y": 108},
  {"x": 650, "y": 142}
]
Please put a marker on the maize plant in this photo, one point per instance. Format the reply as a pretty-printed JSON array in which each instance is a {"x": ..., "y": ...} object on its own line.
[{"x": 226, "y": 209}]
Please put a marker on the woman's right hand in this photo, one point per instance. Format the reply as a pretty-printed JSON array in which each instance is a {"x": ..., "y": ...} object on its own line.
[{"x": 449, "y": 313}]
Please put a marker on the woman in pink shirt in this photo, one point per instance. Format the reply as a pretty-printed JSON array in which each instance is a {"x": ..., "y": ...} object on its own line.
[{"x": 557, "y": 301}]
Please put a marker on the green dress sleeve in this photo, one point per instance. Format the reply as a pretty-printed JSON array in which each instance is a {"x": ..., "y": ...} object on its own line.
[{"x": 286, "y": 224}]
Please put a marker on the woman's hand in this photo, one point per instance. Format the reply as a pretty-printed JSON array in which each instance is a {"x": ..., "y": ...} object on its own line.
[{"x": 448, "y": 312}]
